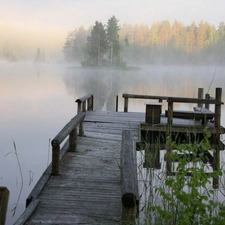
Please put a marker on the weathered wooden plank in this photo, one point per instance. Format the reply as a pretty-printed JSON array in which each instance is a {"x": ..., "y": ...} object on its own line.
[
  {"x": 89, "y": 184},
  {"x": 26, "y": 214},
  {"x": 145, "y": 96}
]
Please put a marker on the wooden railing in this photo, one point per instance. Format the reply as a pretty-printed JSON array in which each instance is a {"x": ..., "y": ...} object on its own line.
[
  {"x": 213, "y": 101},
  {"x": 85, "y": 103},
  {"x": 70, "y": 130},
  {"x": 153, "y": 97},
  {"x": 4, "y": 197},
  {"x": 130, "y": 196},
  {"x": 171, "y": 100}
]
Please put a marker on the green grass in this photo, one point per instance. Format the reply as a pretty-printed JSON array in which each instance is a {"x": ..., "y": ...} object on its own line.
[{"x": 181, "y": 199}]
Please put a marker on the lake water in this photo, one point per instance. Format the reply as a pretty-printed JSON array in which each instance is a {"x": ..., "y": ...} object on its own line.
[{"x": 38, "y": 100}]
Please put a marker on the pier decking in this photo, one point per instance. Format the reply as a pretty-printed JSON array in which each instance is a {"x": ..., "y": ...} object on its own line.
[{"x": 88, "y": 189}]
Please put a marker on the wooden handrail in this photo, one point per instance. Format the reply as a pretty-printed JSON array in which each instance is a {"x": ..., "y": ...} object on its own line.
[
  {"x": 85, "y": 103},
  {"x": 71, "y": 130},
  {"x": 130, "y": 196},
  {"x": 215, "y": 101},
  {"x": 207, "y": 101},
  {"x": 154, "y": 97}
]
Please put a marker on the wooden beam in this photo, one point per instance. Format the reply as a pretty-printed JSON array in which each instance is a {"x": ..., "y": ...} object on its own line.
[
  {"x": 200, "y": 96},
  {"x": 27, "y": 213},
  {"x": 129, "y": 177},
  {"x": 145, "y": 96},
  {"x": 67, "y": 129},
  {"x": 4, "y": 197}
]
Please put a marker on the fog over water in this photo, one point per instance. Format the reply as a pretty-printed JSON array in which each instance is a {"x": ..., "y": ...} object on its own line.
[{"x": 37, "y": 100}]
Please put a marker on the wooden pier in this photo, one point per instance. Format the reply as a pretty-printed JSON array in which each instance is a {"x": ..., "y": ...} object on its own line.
[{"x": 93, "y": 175}]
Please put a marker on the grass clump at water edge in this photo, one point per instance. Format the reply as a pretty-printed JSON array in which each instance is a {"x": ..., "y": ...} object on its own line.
[{"x": 182, "y": 199}]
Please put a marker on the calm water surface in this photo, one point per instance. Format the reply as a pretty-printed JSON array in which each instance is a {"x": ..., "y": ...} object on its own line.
[{"x": 38, "y": 100}]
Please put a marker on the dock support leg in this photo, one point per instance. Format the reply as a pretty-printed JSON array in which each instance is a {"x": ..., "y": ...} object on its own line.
[{"x": 216, "y": 154}]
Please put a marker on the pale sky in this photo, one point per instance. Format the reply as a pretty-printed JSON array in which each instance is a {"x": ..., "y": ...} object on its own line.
[{"x": 70, "y": 14}]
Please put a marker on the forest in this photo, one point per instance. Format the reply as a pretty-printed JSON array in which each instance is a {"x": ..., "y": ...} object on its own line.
[{"x": 161, "y": 43}]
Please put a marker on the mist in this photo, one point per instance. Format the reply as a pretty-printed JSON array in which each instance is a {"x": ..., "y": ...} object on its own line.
[{"x": 27, "y": 26}]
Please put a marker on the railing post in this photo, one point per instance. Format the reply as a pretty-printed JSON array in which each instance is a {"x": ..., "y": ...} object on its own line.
[
  {"x": 170, "y": 112},
  {"x": 78, "y": 107},
  {"x": 207, "y": 96},
  {"x": 73, "y": 140},
  {"x": 4, "y": 197},
  {"x": 84, "y": 106},
  {"x": 55, "y": 157},
  {"x": 117, "y": 103},
  {"x": 216, "y": 154},
  {"x": 90, "y": 103},
  {"x": 81, "y": 128},
  {"x": 200, "y": 96},
  {"x": 125, "y": 104}
]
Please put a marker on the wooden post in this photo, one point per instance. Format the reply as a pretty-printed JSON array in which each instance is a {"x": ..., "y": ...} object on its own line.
[
  {"x": 216, "y": 154},
  {"x": 73, "y": 140},
  {"x": 81, "y": 128},
  {"x": 117, "y": 103},
  {"x": 92, "y": 102},
  {"x": 125, "y": 104},
  {"x": 55, "y": 157},
  {"x": 78, "y": 107},
  {"x": 89, "y": 107},
  {"x": 170, "y": 112},
  {"x": 200, "y": 96},
  {"x": 4, "y": 197},
  {"x": 207, "y": 96},
  {"x": 84, "y": 106}
]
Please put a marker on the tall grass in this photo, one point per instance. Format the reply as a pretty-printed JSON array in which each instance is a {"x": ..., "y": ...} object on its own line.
[{"x": 181, "y": 199}]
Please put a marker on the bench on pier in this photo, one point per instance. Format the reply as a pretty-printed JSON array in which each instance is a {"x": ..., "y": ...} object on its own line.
[{"x": 198, "y": 114}]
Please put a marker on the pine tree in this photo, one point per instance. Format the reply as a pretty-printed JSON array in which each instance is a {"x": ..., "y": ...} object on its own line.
[
  {"x": 113, "y": 38},
  {"x": 96, "y": 45}
]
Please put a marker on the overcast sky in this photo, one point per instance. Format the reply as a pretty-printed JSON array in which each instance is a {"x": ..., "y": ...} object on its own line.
[{"x": 69, "y": 14}]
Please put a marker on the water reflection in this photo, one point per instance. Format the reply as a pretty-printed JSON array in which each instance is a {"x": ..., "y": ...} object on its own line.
[
  {"x": 37, "y": 102},
  {"x": 104, "y": 85}
]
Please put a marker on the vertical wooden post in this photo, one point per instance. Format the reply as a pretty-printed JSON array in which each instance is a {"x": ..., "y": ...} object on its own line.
[
  {"x": 89, "y": 102},
  {"x": 81, "y": 129},
  {"x": 78, "y": 107},
  {"x": 216, "y": 154},
  {"x": 55, "y": 157},
  {"x": 117, "y": 103},
  {"x": 207, "y": 96},
  {"x": 126, "y": 104},
  {"x": 73, "y": 140},
  {"x": 92, "y": 102},
  {"x": 170, "y": 112},
  {"x": 200, "y": 96},
  {"x": 84, "y": 106},
  {"x": 4, "y": 197}
]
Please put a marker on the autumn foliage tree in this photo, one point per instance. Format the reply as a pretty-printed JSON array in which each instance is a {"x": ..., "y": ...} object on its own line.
[{"x": 162, "y": 42}]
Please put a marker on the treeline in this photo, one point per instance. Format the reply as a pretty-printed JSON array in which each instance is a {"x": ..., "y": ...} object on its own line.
[{"x": 162, "y": 42}]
